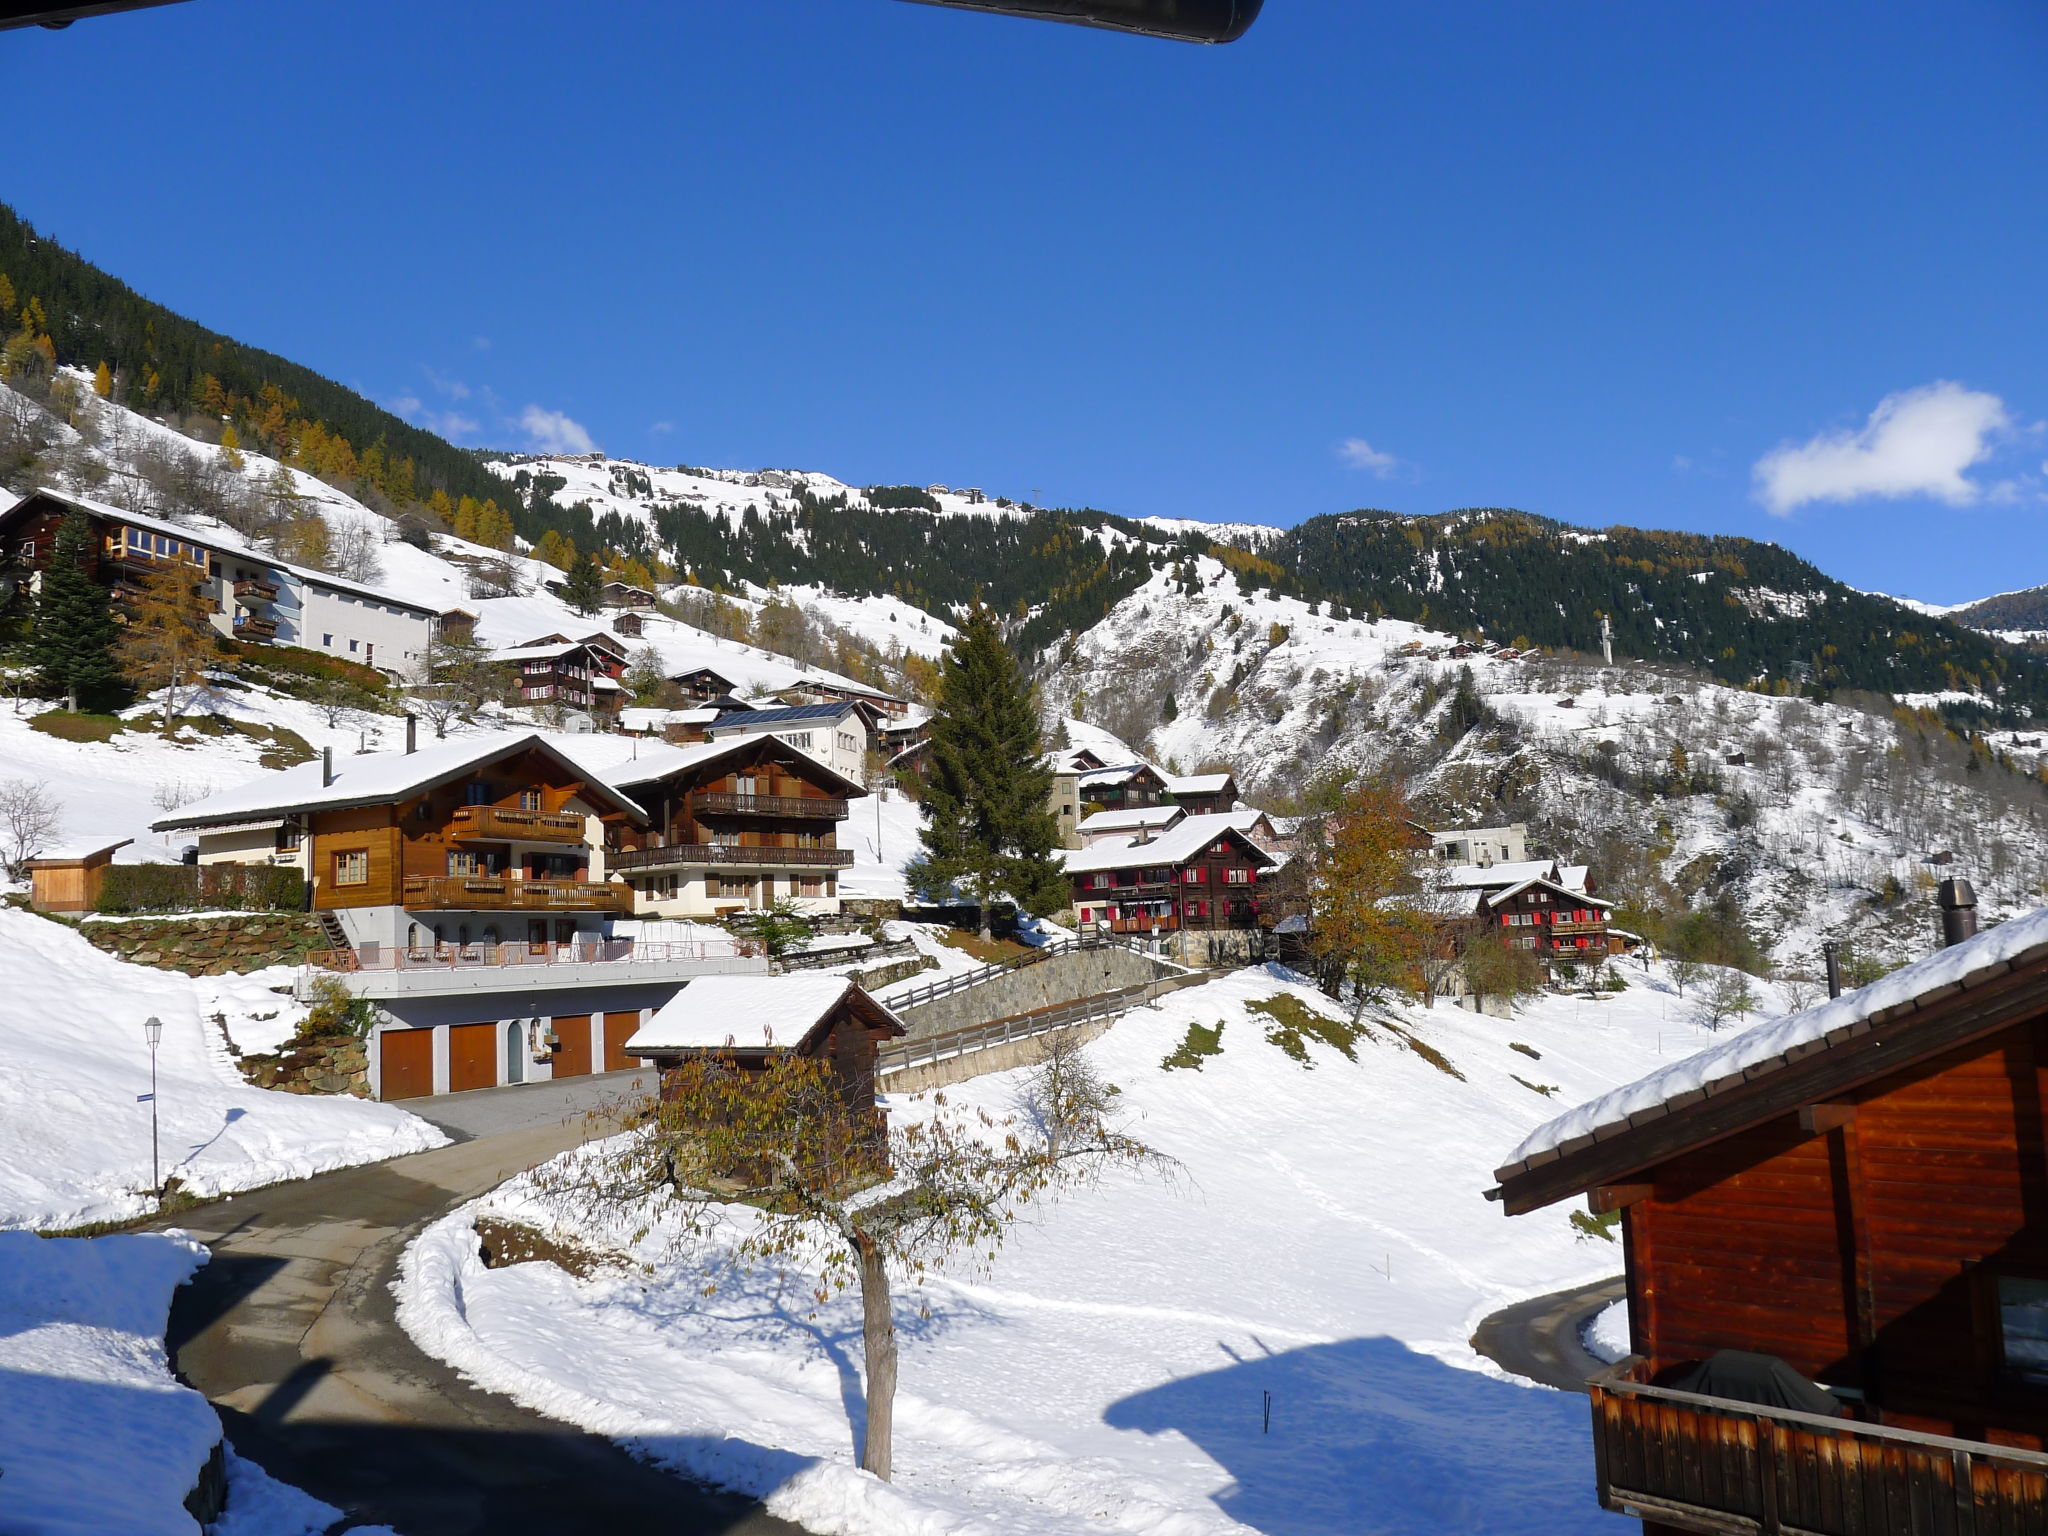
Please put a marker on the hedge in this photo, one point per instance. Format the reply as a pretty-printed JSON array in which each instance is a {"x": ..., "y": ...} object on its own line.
[
  {"x": 201, "y": 888},
  {"x": 297, "y": 661}
]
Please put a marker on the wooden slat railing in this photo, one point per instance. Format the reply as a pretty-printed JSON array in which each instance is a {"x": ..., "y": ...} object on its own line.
[
  {"x": 708, "y": 803},
  {"x": 493, "y": 821},
  {"x": 688, "y": 855},
  {"x": 1712, "y": 1465}
]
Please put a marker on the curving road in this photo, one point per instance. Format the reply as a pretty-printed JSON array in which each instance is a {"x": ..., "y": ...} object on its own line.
[
  {"x": 290, "y": 1332},
  {"x": 1539, "y": 1338}
]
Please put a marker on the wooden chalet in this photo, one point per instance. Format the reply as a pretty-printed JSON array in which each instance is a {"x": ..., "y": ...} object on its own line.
[
  {"x": 703, "y": 683},
  {"x": 1204, "y": 794},
  {"x": 574, "y": 674},
  {"x": 1201, "y": 873},
  {"x": 752, "y": 1021},
  {"x": 1120, "y": 788},
  {"x": 620, "y": 594},
  {"x": 735, "y": 824},
  {"x": 1859, "y": 1192},
  {"x": 1539, "y": 905}
]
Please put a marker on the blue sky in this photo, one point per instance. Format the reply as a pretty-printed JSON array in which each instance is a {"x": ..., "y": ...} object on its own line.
[{"x": 1758, "y": 268}]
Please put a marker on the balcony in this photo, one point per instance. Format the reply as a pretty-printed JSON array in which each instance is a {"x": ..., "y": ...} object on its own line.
[
  {"x": 1567, "y": 928},
  {"x": 471, "y": 823},
  {"x": 1741, "y": 1469},
  {"x": 261, "y": 629},
  {"x": 252, "y": 591},
  {"x": 708, "y": 804},
  {"x": 694, "y": 855},
  {"x": 495, "y": 893},
  {"x": 453, "y": 970}
]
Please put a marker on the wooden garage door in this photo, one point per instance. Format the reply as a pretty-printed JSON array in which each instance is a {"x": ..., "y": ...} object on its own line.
[
  {"x": 618, "y": 1029},
  {"x": 572, "y": 1053},
  {"x": 405, "y": 1063},
  {"x": 472, "y": 1056}
]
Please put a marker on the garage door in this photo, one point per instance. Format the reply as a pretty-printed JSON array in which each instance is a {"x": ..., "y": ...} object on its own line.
[
  {"x": 405, "y": 1063},
  {"x": 572, "y": 1052},
  {"x": 472, "y": 1056},
  {"x": 618, "y": 1029}
]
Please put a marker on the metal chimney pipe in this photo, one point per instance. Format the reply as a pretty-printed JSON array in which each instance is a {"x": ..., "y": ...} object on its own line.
[
  {"x": 326, "y": 766},
  {"x": 1958, "y": 911},
  {"x": 412, "y": 735},
  {"x": 1831, "y": 952}
]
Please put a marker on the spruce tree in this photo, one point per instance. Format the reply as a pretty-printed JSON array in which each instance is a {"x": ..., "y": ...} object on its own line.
[
  {"x": 72, "y": 632},
  {"x": 584, "y": 590},
  {"x": 988, "y": 827}
]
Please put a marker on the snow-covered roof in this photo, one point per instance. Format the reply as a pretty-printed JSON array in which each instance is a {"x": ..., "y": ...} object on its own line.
[
  {"x": 637, "y": 718},
  {"x": 1200, "y": 784},
  {"x": 537, "y": 652},
  {"x": 75, "y": 852},
  {"x": 1474, "y": 877},
  {"x": 661, "y": 762},
  {"x": 1176, "y": 845},
  {"x": 369, "y": 779},
  {"x": 1776, "y": 1043},
  {"x": 1573, "y": 877},
  {"x": 1134, "y": 819},
  {"x": 1576, "y": 894},
  {"x": 1123, "y": 773},
  {"x": 746, "y": 1012}
]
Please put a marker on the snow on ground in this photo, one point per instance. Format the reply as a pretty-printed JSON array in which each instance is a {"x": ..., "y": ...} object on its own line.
[
  {"x": 1606, "y": 1332},
  {"x": 882, "y": 832},
  {"x": 1329, "y": 1245},
  {"x": 74, "y": 1140},
  {"x": 95, "y": 1434}
]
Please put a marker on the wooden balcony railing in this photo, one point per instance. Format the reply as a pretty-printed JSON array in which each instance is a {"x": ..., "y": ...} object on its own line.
[
  {"x": 471, "y": 822},
  {"x": 1741, "y": 1469},
  {"x": 256, "y": 591},
  {"x": 495, "y": 893},
  {"x": 710, "y": 804},
  {"x": 693, "y": 855},
  {"x": 1567, "y": 926},
  {"x": 249, "y": 624}
]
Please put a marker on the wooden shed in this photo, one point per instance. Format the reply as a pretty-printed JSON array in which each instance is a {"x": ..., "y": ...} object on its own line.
[
  {"x": 1861, "y": 1192},
  {"x": 69, "y": 879}
]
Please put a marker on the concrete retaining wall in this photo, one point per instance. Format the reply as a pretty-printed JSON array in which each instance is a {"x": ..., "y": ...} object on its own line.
[
  {"x": 1027, "y": 1052},
  {"x": 1043, "y": 984}
]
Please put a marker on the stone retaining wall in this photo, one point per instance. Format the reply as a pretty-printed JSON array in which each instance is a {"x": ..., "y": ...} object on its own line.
[
  {"x": 209, "y": 946},
  {"x": 325, "y": 1066}
]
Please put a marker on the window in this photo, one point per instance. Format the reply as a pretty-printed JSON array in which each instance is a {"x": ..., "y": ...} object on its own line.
[
  {"x": 1102, "y": 882},
  {"x": 2023, "y": 1326},
  {"x": 476, "y": 793},
  {"x": 290, "y": 838},
  {"x": 352, "y": 645},
  {"x": 529, "y": 800},
  {"x": 352, "y": 867},
  {"x": 811, "y": 885},
  {"x": 465, "y": 862},
  {"x": 1237, "y": 877},
  {"x": 1194, "y": 876},
  {"x": 327, "y": 640}
]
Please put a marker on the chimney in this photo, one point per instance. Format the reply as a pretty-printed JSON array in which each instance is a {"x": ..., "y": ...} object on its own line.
[
  {"x": 1831, "y": 952},
  {"x": 412, "y": 735},
  {"x": 1958, "y": 910},
  {"x": 326, "y": 767}
]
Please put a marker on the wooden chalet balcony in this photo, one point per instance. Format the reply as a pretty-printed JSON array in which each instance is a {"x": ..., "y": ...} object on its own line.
[
  {"x": 495, "y": 893},
  {"x": 249, "y": 624},
  {"x": 710, "y": 804},
  {"x": 1725, "y": 1468},
  {"x": 690, "y": 855},
  {"x": 1572, "y": 928},
  {"x": 252, "y": 591},
  {"x": 1142, "y": 925},
  {"x": 494, "y": 823}
]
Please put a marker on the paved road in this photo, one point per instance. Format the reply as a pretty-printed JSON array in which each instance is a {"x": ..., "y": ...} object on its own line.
[
  {"x": 1540, "y": 1338},
  {"x": 527, "y": 1106},
  {"x": 290, "y": 1332}
]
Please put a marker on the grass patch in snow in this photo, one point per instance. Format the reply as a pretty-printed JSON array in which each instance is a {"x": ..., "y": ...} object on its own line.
[
  {"x": 987, "y": 951},
  {"x": 1590, "y": 1226},
  {"x": 1546, "y": 1089},
  {"x": 1295, "y": 1024},
  {"x": 1425, "y": 1050},
  {"x": 1201, "y": 1040},
  {"x": 79, "y": 728},
  {"x": 1529, "y": 1051}
]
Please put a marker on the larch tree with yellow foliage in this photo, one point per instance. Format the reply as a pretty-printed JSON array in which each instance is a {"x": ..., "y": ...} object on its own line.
[
  {"x": 167, "y": 639},
  {"x": 1357, "y": 864},
  {"x": 103, "y": 382}
]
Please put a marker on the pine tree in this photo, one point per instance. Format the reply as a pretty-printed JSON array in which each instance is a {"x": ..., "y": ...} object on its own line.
[
  {"x": 71, "y": 635},
  {"x": 584, "y": 590},
  {"x": 988, "y": 826}
]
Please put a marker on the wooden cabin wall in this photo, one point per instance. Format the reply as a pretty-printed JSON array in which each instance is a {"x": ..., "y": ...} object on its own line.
[{"x": 1865, "y": 1255}]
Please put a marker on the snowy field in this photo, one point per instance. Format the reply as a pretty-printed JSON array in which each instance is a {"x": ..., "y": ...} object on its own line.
[
  {"x": 74, "y": 1141},
  {"x": 1329, "y": 1244}
]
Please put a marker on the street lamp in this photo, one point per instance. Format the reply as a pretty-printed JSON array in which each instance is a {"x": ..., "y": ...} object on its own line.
[{"x": 153, "y": 1032}]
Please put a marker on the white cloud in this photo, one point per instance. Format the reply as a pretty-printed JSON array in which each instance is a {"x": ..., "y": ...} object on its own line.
[
  {"x": 1917, "y": 442},
  {"x": 407, "y": 404},
  {"x": 554, "y": 432},
  {"x": 1359, "y": 454},
  {"x": 662, "y": 428}
]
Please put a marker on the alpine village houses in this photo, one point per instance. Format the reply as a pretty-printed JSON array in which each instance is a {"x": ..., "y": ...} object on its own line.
[
  {"x": 502, "y": 905},
  {"x": 1835, "y": 1228}
]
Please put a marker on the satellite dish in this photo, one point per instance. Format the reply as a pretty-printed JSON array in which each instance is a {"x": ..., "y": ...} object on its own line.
[{"x": 1188, "y": 21}]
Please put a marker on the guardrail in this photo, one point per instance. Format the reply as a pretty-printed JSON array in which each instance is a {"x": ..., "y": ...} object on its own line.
[
  {"x": 846, "y": 954},
  {"x": 933, "y": 1049},
  {"x": 465, "y": 957},
  {"x": 931, "y": 991}
]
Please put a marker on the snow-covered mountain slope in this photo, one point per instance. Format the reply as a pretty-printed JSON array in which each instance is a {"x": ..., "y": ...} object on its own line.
[
  {"x": 1815, "y": 820},
  {"x": 1326, "y": 1241}
]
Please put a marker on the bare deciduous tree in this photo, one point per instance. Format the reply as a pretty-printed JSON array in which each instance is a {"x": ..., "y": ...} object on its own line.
[
  {"x": 353, "y": 549},
  {"x": 831, "y": 1184},
  {"x": 29, "y": 817}
]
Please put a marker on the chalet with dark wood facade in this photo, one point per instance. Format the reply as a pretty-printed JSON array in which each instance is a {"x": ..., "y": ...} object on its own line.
[
  {"x": 752, "y": 1021},
  {"x": 1860, "y": 1192},
  {"x": 1203, "y": 794},
  {"x": 556, "y": 671},
  {"x": 735, "y": 825},
  {"x": 1200, "y": 874}
]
